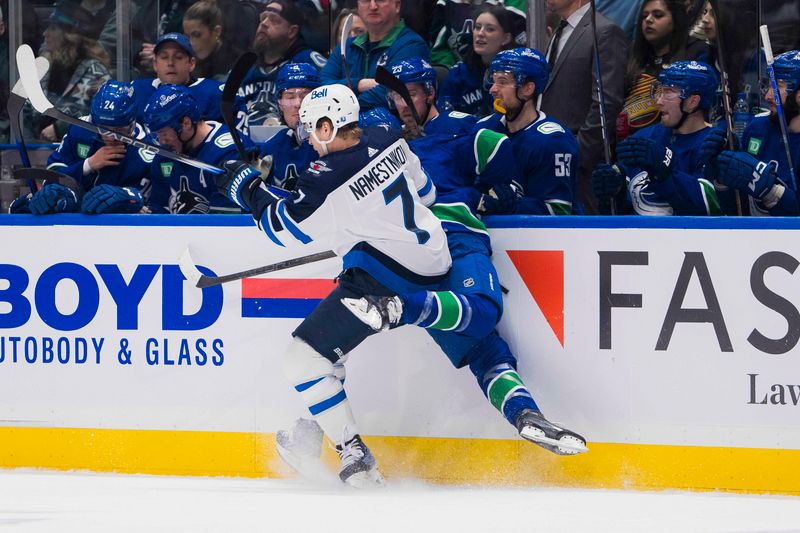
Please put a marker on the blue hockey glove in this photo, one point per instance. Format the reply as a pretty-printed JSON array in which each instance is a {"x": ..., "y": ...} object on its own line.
[
  {"x": 239, "y": 182},
  {"x": 713, "y": 144},
  {"x": 53, "y": 198},
  {"x": 646, "y": 154},
  {"x": 110, "y": 199},
  {"x": 740, "y": 170},
  {"x": 21, "y": 206},
  {"x": 607, "y": 180},
  {"x": 500, "y": 200}
]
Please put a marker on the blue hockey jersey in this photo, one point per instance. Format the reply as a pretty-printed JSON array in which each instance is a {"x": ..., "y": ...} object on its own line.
[
  {"x": 206, "y": 92},
  {"x": 464, "y": 89},
  {"x": 182, "y": 188},
  {"x": 256, "y": 100},
  {"x": 762, "y": 139},
  {"x": 368, "y": 203},
  {"x": 686, "y": 192},
  {"x": 289, "y": 158},
  {"x": 546, "y": 155},
  {"x": 79, "y": 144}
]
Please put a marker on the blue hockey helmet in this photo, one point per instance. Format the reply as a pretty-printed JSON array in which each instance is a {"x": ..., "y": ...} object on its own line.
[
  {"x": 114, "y": 105},
  {"x": 297, "y": 75},
  {"x": 692, "y": 77},
  {"x": 378, "y": 116},
  {"x": 168, "y": 105},
  {"x": 787, "y": 68},
  {"x": 416, "y": 70},
  {"x": 526, "y": 64}
]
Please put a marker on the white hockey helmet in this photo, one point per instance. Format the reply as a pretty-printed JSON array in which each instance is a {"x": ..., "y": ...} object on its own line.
[{"x": 335, "y": 102}]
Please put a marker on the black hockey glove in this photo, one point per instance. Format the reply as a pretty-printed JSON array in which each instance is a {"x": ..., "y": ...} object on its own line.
[
  {"x": 647, "y": 154},
  {"x": 239, "y": 182}
]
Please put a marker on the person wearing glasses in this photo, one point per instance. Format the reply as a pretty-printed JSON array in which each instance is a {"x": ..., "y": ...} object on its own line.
[
  {"x": 662, "y": 167},
  {"x": 761, "y": 169},
  {"x": 290, "y": 152},
  {"x": 387, "y": 41}
]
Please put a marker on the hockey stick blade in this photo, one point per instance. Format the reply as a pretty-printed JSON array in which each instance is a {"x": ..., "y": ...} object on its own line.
[
  {"x": 16, "y": 101},
  {"x": 388, "y": 80},
  {"x": 348, "y": 24},
  {"x": 235, "y": 78},
  {"x": 201, "y": 281},
  {"x": 34, "y": 92}
]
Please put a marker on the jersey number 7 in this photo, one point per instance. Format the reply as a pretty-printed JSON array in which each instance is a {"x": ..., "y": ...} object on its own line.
[{"x": 399, "y": 188}]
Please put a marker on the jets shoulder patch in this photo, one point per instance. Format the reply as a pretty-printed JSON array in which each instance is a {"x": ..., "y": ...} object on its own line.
[{"x": 546, "y": 128}]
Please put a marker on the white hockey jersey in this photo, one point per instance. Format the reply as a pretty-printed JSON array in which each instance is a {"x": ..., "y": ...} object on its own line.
[{"x": 368, "y": 204}]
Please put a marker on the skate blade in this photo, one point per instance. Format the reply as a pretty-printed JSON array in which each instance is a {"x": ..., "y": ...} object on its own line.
[
  {"x": 308, "y": 468},
  {"x": 566, "y": 445},
  {"x": 371, "y": 479}
]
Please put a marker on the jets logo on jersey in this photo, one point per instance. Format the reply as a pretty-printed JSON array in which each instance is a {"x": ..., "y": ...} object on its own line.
[{"x": 318, "y": 166}]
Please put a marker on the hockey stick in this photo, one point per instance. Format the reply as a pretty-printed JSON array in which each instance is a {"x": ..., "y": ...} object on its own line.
[
  {"x": 348, "y": 23},
  {"x": 608, "y": 204},
  {"x": 50, "y": 176},
  {"x": 201, "y": 281},
  {"x": 726, "y": 89},
  {"x": 388, "y": 80},
  {"x": 16, "y": 100},
  {"x": 34, "y": 92},
  {"x": 777, "y": 94},
  {"x": 235, "y": 78}
]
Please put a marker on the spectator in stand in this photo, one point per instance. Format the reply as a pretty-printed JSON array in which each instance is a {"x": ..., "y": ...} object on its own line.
[
  {"x": 202, "y": 23},
  {"x": 463, "y": 89},
  {"x": 356, "y": 29},
  {"x": 451, "y": 29},
  {"x": 571, "y": 94},
  {"x": 174, "y": 63},
  {"x": 387, "y": 41},
  {"x": 659, "y": 40},
  {"x": 278, "y": 41},
  {"x": 78, "y": 66}
]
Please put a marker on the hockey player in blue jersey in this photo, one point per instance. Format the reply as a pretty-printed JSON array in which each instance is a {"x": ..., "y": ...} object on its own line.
[
  {"x": 278, "y": 41},
  {"x": 462, "y": 312},
  {"x": 760, "y": 170},
  {"x": 173, "y": 117},
  {"x": 366, "y": 198},
  {"x": 114, "y": 176},
  {"x": 174, "y": 62},
  {"x": 290, "y": 152},
  {"x": 661, "y": 165},
  {"x": 546, "y": 153}
]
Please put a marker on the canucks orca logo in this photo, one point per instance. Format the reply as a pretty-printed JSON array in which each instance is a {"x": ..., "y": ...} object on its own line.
[{"x": 185, "y": 201}]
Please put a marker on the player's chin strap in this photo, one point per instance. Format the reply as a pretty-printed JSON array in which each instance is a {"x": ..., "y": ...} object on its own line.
[
  {"x": 324, "y": 144},
  {"x": 684, "y": 115}
]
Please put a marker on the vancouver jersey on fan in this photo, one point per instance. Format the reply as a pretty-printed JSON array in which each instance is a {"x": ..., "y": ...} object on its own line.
[
  {"x": 367, "y": 203},
  {"x": 289, "y": 158},
  {"x": 547, "y": 158},
  {"x": 762, "y": 139},
  {"x": 79, "y": 144},
  {"x": 181, "y": 188},
  {"x": 205, "y": 91},
  {"x": 686, "y": 192}
]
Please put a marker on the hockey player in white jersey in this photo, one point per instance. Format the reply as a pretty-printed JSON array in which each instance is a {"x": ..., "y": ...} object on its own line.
[{"x": 366, "y": 198}]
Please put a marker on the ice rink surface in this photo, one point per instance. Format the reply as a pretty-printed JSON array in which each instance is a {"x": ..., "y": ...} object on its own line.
[{"x": 40, "y": 501}]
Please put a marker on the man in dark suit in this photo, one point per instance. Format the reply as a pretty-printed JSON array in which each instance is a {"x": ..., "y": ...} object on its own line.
[{"x": 571, "y": 94}]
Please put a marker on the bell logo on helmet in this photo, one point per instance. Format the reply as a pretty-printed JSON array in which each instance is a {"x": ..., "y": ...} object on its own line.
[{"x": 320, "y": 93}]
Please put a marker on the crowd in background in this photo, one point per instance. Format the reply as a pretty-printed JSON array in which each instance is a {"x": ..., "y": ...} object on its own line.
[{"x": 459, "y": 39}]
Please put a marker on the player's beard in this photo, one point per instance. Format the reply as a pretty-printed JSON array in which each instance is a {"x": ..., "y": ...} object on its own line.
[{"x": 790, "y": 110}]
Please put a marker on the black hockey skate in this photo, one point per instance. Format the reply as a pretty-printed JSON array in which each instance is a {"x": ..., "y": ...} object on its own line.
[
  {"x": 378, "y": 312},
  {"x": 533, "y": 426},
  {"x": 359, "y": 468}
]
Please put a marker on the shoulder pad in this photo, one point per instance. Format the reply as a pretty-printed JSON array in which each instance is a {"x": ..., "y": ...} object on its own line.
[{"x": 547, "y": 127}]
